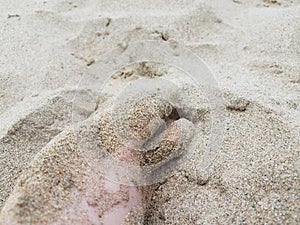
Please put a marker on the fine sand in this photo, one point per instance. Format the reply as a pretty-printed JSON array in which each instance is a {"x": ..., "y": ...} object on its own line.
[{"x": 252, "y": 48}]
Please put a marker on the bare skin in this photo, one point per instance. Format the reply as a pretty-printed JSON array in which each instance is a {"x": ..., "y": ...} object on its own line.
[{"x": 60, "y": 187}]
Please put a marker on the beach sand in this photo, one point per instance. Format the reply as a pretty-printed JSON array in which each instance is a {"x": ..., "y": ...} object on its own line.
[{"x": 252, "y": 48}]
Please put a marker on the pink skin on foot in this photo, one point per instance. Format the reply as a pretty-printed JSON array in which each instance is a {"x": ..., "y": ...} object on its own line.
[
  {"x": 117, "y": 214},
  {"x": 103, "y": 201},
  {"x": 61, "y": 188}
]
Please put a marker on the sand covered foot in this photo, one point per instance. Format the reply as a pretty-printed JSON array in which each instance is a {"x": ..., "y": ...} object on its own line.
[{"x": 62, "y": 187}]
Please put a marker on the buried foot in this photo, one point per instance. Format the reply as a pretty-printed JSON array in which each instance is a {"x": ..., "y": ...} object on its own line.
[{"x": 64, "y": 186}]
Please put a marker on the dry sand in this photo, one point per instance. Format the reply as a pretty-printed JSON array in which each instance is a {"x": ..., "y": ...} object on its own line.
[{"x": 251, "y": 46}]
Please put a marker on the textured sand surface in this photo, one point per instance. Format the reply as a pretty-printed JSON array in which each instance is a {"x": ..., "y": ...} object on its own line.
[{"x": 252, "y": 47}]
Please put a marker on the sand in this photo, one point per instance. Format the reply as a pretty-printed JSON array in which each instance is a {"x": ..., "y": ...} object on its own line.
[{"x": 251, "y": 47}]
